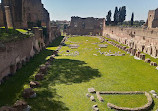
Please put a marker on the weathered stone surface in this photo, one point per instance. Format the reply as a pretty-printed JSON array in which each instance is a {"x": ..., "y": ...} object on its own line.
[
  {"x": 103, "y": 45},
  {"x": 133, "y": 51},
  {"x": 28, "y": 93},
  {"x": 86, "y": 26},
  {"x": 52, "y": 58},
  {"x": 99, "y": 97},
  {"x": 39, "y": 77},
  {"x": 142, "y": 56},
  {"x": 55, "y": 53},
  {"x": 43, "y": 69},
  {"x": 154, "y": 95},
  {"x": 138, "y": 53},
  {"x": 20, "y": 105},
  {"x": 152, "y": 92},
  {"x": 148, "y": 60},
  {"x": 88, "y": 95},
  {"x": 91, "y": 90},
  {"x": 92, "y": 98},
  {"x": 96, "y": 109},
  {"x": 95, "y": 106},
  {"x": 7, "y": 108},
  {"x": 153, "y": 64},
  {"x": 34, "y": 84}
]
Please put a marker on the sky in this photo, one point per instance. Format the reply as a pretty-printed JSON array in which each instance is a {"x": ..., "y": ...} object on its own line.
[{"x": 64, "y": 9}]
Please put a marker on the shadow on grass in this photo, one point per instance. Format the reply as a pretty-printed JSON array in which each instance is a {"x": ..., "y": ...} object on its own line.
[
  {"x": 71, "y": 71},
  {"x": 63, "y": 71},
  {"x": 45, "y": 101},
  {"x": 11, "y": 90}
]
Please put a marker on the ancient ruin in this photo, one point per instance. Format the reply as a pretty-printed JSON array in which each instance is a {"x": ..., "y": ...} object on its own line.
[
  {"x": 50, "y": 64},
  {"x": 152, "y": 21},
  {"x": 86, "y": 26}
]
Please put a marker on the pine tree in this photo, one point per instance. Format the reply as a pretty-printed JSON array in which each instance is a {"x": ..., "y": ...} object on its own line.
[
  {"x": 116, "y": 16},
  {"x": 108, "y": 18},
  {"x": 132, "y": 19}
]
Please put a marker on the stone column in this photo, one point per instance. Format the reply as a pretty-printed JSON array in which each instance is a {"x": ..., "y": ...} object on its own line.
[{"x": 8, "y": 16}]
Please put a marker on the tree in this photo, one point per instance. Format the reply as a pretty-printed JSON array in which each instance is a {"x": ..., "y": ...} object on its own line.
[
  {"x": 132, "y": 19},
  {"x": 122, "y": 14},
  {"x": 4, "y": 15},
  {"x": 108, "y": 18},
  {"x": 116, "y": 16}
]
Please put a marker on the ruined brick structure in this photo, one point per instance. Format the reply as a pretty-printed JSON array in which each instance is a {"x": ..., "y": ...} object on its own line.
[
  {"x": 152, "y": 21},
  {"x": 25, "y": 13},
  {"x": 86, "y": 26},
  {"x": 145, "y": 40}
]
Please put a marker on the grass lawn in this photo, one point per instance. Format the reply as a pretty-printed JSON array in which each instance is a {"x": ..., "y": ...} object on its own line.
[
  {"x": 13, "y": 35},
  {"x": 65, "y": 87}
]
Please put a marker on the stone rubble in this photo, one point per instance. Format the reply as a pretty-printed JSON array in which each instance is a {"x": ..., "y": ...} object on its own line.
[{"x": 91, "y": 90}]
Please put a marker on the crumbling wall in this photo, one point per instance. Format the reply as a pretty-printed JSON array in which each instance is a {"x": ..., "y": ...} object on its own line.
[
  {"x": 145, "y": 40},
  {"x": 55, "y": 32},
  {"x": 14, "y": 54},
  {"x": 86, "y": 26}
]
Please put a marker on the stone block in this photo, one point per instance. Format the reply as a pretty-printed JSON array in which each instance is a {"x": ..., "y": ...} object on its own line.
[
  {"x": 91, "y": 90},
  {"x": 34, "y": 84},
  {"x": 138, "y": 53},
  {"x": 39, "y": 77},
  {"x": 43, "y": 69},
  {"x": 148, "y": 60},
  {"x": 8, "y": 108},
  {"x": 28, "y": 93},
  {"x": 92, "y": 98},
  {"x": 133, "y": 51},
  {"x": 153, "y": 64},
  {"x": 20, "y": 105},
  {"x": 142, "y": 56}
]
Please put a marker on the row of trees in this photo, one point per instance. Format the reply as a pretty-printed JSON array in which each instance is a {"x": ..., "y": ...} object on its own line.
[{"x": 119, "y": 16}]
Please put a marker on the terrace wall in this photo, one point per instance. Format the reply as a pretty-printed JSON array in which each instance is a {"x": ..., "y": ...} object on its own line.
[{"x": 145, "y": 40}]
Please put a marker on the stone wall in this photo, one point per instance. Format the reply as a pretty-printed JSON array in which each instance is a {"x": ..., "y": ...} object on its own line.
[
  {"x": 153, "y": 18},
  {"x": 1, "y": 17},
  {"x": 55, "y": 32},
  {"x": 16, "y": 53},
  {"x": 27, "y": 12},
  {"x": 86, "y": 26},
  {"x": 145, "y": 40}
]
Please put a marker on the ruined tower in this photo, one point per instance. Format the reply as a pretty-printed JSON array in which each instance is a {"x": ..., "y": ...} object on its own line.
[
  {"x": 152, "y": 18},
  {"x": 25, "y": 13}
]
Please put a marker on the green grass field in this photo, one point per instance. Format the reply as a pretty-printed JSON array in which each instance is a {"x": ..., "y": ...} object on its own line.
[{"x": 66, "y": 85}]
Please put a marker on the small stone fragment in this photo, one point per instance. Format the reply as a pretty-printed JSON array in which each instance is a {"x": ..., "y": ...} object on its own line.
[
  {"x": 96, "y": 109},
  {"x": 34, "y": 84},
  {"x": 39, "y": 77},
  {"x": 28, "y": 93},
  {"x": 154, "y": 95},
  {"x": 20, "y": 105},
  {"x": 7, "y": 108},
  {"x": 94, "y": 106},
  {"x": 43, "y": 69},
  {"x": 92, "y": 98},
  {"x": 148, "y": 60},
  {"x": 152, "y": 92},
  {"x": 91, "y": 90},
  {"x": 88, "y": 95}
]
